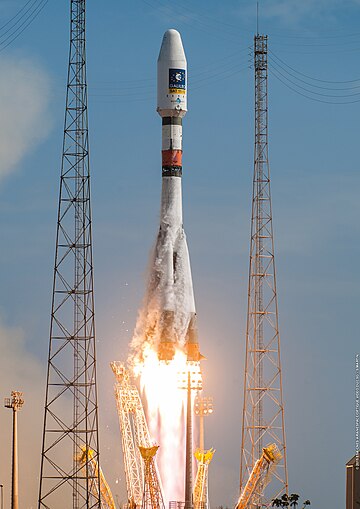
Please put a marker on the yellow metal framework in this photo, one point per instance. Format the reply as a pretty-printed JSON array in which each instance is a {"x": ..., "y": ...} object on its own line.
[
  {"x": 134, "y": 432},
  {"x": 87, "y": 461},
  {"x": 152, "y": 495},
  {"x": 201, "y": 495},
  {"x": 259, "y": 477}
]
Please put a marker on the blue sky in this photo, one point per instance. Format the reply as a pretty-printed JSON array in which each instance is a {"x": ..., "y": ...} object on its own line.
[{"x": 315, "y": 179}]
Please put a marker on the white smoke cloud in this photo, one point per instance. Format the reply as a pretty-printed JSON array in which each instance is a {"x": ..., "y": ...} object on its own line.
[
  {"x": 292, "y": 12},
  {"x": 24, "y": 118},
  {"x": 24, "y": 122}
]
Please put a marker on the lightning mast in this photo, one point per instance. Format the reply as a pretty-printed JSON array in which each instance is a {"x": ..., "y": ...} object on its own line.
[
  {"x": 263, "y": 411},
  {"x": 71, "y": 408}
]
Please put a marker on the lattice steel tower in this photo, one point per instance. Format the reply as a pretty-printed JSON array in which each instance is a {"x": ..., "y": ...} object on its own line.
[
  {"x": 263, "y": 412},
  {"x": 71, "y": 408}
]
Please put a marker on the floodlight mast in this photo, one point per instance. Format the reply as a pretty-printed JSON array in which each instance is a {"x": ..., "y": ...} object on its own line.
[
  {"x": 203, "y": 407},
  {"x": 15, "y": 402},
  {"x": 191, "y": 380}
]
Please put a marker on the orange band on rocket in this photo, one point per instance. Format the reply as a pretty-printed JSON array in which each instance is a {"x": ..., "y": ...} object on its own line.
[{"x": 172, "y": 157}]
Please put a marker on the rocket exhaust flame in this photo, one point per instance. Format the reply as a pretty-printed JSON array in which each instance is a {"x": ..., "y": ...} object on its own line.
[
  {"x": 162, "y": 385},
  {"x": 165, "y": 344},
  {"x": 165, "y": 403}
]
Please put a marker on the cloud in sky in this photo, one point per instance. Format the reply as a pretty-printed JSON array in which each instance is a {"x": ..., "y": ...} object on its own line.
[
  {"x": 24, "y": 116},
  {"x": 292, "y": 11}
]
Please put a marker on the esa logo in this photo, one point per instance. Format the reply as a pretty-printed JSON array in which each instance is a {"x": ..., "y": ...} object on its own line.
[{"x": 177, "y": 78}]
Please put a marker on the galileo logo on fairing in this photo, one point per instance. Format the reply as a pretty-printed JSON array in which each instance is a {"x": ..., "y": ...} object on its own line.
[{"x": 177, "y": 81}]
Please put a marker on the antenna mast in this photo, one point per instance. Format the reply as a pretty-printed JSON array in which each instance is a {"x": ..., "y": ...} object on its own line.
[
  {"x": 263, "y": 411},
  {"x": 71, "y": 408}
]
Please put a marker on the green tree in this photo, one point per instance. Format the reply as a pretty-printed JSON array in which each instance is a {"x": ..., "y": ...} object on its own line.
[{"x": 291, "y": 501}]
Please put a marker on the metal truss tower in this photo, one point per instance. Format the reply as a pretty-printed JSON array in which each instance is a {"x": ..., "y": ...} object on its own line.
[
  {"x": 134, "y": 432},
  {"x": 71, "y": 408},
  {"x": 152, "y": 497},
  {"x": 201, "y": 492},
  {"x": 263, "y": 411}
]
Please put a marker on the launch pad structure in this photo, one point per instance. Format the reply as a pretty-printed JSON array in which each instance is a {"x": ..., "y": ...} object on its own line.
[
  {"x": 134, "y": 432},
  {"x": 152, "y": 495},
  {"x": 70, "y": 471}
]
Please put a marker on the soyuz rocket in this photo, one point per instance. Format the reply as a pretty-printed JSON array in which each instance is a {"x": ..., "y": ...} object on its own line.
[{"x": 169, "y": 318}]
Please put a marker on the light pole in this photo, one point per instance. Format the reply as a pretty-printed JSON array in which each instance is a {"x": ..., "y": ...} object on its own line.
[
  {"x": 203, "y": 407},
  {"x": 191, "y": 381},
  {"x": 15, "y": 402},
  {"x": 2, "y": 496}
]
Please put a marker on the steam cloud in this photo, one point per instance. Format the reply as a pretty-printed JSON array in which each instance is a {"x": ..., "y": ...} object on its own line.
[
  {"x": 24, "y": 122},
  {"x": 24, "y": 119},
  {"x": 169, "y": 290}
]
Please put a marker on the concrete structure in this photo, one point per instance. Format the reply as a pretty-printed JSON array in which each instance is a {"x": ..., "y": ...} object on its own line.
[{"x": 353, "y": 483}]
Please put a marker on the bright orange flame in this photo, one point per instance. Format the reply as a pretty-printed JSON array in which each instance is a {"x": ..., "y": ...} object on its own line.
[{"x": 166, "y": 404}]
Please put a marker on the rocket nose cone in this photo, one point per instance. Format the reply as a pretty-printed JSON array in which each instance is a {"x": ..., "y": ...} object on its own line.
[
  {"x": 171, "y": 47},
  {"x": 171, "y": 76}
]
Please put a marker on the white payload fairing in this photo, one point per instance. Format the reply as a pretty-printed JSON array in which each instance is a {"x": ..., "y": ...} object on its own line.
[{"x": 168, "y": 319}]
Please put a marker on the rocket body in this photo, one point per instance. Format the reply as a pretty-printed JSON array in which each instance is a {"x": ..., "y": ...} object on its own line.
[
  {"x": 166, "y": 326},
  {"x": 170, "y": 316}
]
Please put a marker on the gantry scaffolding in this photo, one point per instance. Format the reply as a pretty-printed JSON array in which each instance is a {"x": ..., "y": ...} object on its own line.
[
  {"x": 263, "y": 410},
  {"x": 152, "y": 494},
  {"x": 201, "y": 492},
  {"x": 134, "y": 432},
  {"x": 260, "y": 475},
  {"x": 71, "y": 408},
  {"x": 87, "y": 457}
]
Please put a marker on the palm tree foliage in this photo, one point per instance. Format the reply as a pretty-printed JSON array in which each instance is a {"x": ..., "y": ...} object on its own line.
[{"x": 291, "y": 501}]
